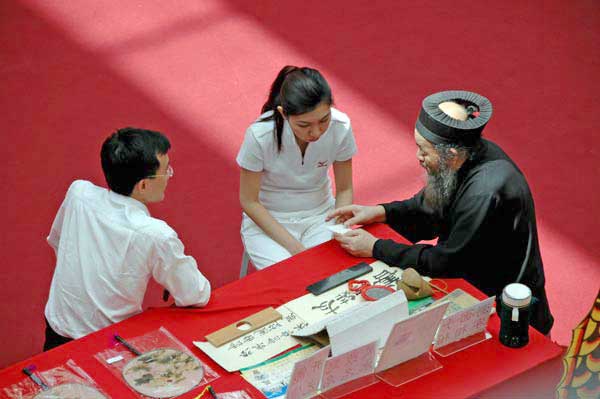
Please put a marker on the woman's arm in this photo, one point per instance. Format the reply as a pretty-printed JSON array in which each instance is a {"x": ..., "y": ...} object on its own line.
[
  {"x": 249, "y": 189},
  {"x": 343, "y": 183}
]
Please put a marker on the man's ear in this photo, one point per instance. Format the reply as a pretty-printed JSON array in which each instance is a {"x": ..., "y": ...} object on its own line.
[
  {"x": 139, "y": 190},
  {"x": 140, "y": 186},
  {"x": 458, "y": 157},
  {"x": 280, "y": 110}
]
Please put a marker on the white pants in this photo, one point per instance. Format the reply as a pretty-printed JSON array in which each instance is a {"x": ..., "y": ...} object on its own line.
[{"x": 308, "y": 227}]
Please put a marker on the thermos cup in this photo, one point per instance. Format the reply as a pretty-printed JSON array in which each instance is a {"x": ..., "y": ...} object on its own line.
[{"x": 514, "y": 315}]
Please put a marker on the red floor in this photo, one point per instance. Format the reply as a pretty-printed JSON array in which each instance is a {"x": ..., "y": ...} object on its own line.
[{"x": 74, "y": 71}]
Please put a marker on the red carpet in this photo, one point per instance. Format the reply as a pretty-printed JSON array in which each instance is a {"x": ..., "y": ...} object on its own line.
[{"x": 74, "y": 71}]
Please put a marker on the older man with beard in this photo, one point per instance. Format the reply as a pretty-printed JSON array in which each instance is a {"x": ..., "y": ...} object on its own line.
[{"x": 476, "y": 202}]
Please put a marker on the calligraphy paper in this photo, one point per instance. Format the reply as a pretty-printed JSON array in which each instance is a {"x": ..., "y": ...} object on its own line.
[
  {"x": 258, "y": 345},
  {"x": 306, "y": 376},
  {"x": 464, "y": 323},
  {"x": 369, "y": 323},
  {"x": 349, "y": 366},
  {"x": 411, "y": 337},
  {"x": 312, "y": 308}
]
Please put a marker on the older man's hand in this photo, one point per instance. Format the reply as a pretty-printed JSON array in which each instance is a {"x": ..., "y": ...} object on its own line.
[{"x": 357, "y": 242}]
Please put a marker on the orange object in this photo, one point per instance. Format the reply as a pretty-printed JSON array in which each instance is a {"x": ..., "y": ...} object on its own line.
[
  {"x": 581, "y": 377},
  {"x": 413, "y": 285}
]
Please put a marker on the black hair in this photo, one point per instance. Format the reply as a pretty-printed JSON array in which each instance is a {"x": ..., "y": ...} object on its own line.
[
  {"x": 470, "y": 107},
  {"x": 129, "y": 155},
  {"x": 297, "y": 91}
]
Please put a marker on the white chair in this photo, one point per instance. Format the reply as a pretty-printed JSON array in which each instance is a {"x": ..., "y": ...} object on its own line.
[{"x": 245, "y": 261}]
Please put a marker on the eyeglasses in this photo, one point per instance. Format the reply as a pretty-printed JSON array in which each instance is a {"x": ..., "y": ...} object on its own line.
[{"x": 169, "y": 173}]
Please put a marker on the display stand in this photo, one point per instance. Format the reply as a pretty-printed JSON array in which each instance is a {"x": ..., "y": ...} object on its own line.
[
  {"x": 462, "y": 344},
  {"x": 410, "y": 370},
  {"x": 349, "y": 371},
  {"x": 349, "y": 387},
  {"x": 463, "y": 329}
]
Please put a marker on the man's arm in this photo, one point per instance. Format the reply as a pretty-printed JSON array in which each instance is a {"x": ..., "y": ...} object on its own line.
[
  {"x": 179, "y": 274},
  {"x": 54, "y": 237},
  {"x": 412, "y": 218},
  {"x": 470, "y": 216},
  {"x": 55, "y": 231}
]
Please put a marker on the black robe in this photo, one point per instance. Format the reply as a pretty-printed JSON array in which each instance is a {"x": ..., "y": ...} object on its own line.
[{"x": 482, "y": 237}]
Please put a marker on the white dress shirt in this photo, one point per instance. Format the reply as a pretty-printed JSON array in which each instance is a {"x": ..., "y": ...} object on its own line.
[
  {"x": 291, "y": 182},
  {"x": 107, "y": 247}
]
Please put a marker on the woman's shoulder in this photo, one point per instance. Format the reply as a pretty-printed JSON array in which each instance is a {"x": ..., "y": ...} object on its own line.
[
  {"x": 262, "y": 127},
  {"x": 339, "y": 117}
]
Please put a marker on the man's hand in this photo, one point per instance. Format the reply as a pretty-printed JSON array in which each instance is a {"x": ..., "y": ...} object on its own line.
[
  {"x": 357, "y": 214},
  {"x": 357, "y": 242}
]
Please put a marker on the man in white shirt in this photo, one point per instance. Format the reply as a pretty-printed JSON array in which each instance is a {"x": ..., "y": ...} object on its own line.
[{"x": 108, "y": 246}]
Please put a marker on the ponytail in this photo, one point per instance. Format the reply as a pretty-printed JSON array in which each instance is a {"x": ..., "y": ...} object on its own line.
[{"x": 274, "y": 100}]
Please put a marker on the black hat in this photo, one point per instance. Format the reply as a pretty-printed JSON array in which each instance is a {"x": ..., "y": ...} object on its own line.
[{"x": 439, "y": 128}]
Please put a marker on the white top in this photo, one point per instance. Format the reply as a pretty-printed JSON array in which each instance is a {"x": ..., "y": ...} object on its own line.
[
  {"x": 289, "y": 182},
  {"x": 107, "y": 247}
]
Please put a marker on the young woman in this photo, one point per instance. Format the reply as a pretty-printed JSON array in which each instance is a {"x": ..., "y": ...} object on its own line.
[{"x": 285, "y": 189}]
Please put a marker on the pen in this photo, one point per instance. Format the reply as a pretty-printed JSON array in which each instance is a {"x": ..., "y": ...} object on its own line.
[
  {"x": 127, "y": 345},
  {"x": 30, "y": 373}
]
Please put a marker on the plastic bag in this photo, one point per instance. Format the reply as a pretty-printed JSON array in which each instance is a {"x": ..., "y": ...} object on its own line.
[
  {"x": 166, "y": 368},
  {"x": 64, "y": 381}
]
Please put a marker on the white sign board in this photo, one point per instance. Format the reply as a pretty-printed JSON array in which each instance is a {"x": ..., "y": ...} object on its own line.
[
  {"x": 411, "y": 337},
  {"x": 464, "y": 323},
  {"x": 349, "y": 366},
  {"x": 306, "y": 375},
  {"x": 368, "y": 323}
]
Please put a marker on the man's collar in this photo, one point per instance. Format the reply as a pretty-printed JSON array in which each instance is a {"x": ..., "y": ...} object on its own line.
[
  {"x": 128, "y": 201},
  {"x": 473, "y": 160}
]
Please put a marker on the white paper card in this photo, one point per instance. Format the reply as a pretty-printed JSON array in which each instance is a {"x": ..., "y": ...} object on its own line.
[
  {"x": 114, "y": 359},
  {"x": 338, "y": 228},
  {"x": 320, "y": 325},
  {"x": 464, "y": 323},
  {"x": 257, "y": 346},
  {"x": 349, "y": 366},
  {"x": 312, "y": 308},
  {"x": 306, "y": 375},
  {"x": 373, "y": 322},
  {"x": 411, "y": 337}
]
